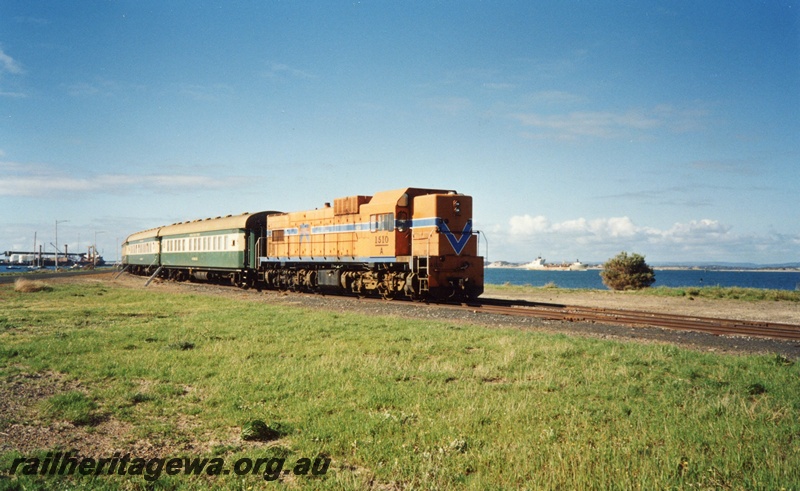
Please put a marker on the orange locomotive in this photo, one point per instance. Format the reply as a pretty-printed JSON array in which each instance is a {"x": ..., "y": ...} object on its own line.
[{"x": 416, "y": 243}]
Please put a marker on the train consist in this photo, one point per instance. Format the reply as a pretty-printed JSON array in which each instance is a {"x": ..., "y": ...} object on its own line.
[{"x": 410, "y": 243}]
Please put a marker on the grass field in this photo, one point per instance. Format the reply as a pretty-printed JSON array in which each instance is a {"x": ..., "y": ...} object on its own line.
[
  {"x": 710, "y": 292},
  {"x": 393, "y": 403}
]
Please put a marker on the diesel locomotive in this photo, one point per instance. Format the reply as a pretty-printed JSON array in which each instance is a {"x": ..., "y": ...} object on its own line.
[{"x": 411, "y": 243}]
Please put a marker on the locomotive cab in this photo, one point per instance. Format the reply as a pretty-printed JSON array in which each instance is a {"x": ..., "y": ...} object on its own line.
[{"x": 444, "y": 247}]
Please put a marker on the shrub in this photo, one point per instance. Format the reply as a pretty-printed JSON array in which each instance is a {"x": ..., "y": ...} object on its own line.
[
  {"x": 624, "y": 272},
  {"x": 258, "y": 430}
]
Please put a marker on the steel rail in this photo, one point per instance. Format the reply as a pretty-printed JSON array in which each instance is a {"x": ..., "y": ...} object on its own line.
[
  {"x": 712, "y": 325},
  {"x": 574, "y": 313}
]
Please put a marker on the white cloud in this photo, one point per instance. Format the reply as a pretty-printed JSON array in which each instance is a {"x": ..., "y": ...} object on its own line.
[
  {"x": 99, "y": 87},
  {"x": 9, "y": 64},
  {"x": 526, "y": 225},
  {"x": 695, "y": 231},
  {"x": 598, "y": 239},
  {"x": 739, "y": 167},
  {"x": 554, "y": 97},
  {"x": 498, "y": 86},
  {"x": 606, "y": 124},
  {"x": 38, "y": 180},
  {"x": 281, "y": 70},
  {"x": 596, "y": 124},
  {"x": 212, "y": 92},
  {"x": 15, "y": 95}
]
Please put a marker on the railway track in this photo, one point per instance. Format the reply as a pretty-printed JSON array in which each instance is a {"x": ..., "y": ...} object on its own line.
[
  {"x": 711, "y": 325},
  {"x": 572, "y": 313}
]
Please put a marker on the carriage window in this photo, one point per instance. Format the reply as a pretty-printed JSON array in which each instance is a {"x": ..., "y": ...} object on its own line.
[{"x": 277, "y": 236}]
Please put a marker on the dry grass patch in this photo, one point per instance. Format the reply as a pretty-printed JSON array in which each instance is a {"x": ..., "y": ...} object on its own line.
[{"x": 23, "y": 285}]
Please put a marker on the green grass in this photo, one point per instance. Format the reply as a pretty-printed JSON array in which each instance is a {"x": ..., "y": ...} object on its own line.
[
  {"x": 399, "y": 403},
  {"x": 730, "y": 293},
  {"x": 710, "y": 292},
  {"x": 72, "y": 406}
]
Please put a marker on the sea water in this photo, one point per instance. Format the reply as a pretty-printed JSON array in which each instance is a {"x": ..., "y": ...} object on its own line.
[{"x": 772, "y": 280}]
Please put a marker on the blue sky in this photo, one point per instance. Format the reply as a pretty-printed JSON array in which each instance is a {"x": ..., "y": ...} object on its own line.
[{"x": 670, "y": 129}]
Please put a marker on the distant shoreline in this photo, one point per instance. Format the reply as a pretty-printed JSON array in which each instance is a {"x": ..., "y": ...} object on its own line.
[
  {"x": 731, "y": 269},
  {"x": 598, "y": 267}
]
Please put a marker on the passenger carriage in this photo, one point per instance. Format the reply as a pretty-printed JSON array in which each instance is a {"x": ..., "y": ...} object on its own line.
[
  {"x": 216, "y": 249},
  {"x": 141, "y": 252}
]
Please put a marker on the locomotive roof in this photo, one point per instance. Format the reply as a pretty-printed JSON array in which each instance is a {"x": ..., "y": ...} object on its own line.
[
  {"x": 245, "y": 220},
  {"x": 391, "y": 197}
]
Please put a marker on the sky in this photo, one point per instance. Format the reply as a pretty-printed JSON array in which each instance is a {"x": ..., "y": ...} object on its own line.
[{"x": 580, "y": 128}]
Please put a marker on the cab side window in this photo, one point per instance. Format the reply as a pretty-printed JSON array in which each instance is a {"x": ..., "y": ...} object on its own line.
[{"x": 380, "y": 222}]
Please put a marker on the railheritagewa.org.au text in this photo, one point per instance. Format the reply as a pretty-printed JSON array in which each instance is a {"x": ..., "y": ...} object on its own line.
[{"x": 65, "y": 464}]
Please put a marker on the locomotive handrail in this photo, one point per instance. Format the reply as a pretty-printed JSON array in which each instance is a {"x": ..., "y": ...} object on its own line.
[
  {"x": 259, "y": 253},
  {"x": 486, "y": 240}
]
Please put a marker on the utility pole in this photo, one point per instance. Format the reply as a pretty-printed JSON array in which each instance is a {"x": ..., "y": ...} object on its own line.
[
  {"x": 94, "y": 256},
  {"x": 57, "y": 222}
]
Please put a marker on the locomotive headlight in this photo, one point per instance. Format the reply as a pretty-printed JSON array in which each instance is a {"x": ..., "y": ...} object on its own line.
[{"x": 456, "y": 206}]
